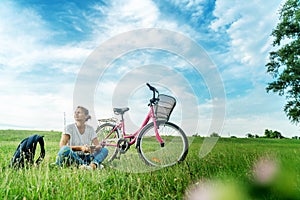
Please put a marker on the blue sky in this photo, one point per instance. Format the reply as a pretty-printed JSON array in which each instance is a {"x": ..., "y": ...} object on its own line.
[{"x": 44, "y": 44}]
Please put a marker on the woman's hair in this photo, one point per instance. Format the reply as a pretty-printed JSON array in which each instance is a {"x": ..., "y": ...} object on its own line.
[{"x": 86, "y": 112}]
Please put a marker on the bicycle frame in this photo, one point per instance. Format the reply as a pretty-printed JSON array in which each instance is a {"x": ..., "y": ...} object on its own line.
[{"x": 121, "y": 126}]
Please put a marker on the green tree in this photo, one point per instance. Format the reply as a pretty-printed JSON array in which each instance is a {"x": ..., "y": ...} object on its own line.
[
  {"x": 276, "y": 134},
  {"x": 284, "y": 64},
  {"x": 268, "y": 133},
  {"x": 249, "y": 135},
  {"x": 273, "y": 134},
  {"x": 214, "y": 134}
]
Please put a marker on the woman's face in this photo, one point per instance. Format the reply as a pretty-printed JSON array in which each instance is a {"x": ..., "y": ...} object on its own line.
[{"x": 79, "y": 115}]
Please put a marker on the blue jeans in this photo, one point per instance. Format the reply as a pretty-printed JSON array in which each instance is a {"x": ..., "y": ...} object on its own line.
[{"x": 68, "y": 157}]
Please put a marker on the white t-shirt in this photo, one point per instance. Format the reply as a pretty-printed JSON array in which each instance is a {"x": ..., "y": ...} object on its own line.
[{"x": 77, "y": 139}]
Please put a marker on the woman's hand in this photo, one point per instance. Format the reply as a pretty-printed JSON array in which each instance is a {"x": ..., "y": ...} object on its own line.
[
  {"x": 86, "y": 149},
  {"x": 90, "y": 149},
  {"x": 98, "y": 147}
]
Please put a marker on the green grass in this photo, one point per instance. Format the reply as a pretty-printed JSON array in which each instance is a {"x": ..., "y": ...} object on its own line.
[{"x": 229, "y": 164}]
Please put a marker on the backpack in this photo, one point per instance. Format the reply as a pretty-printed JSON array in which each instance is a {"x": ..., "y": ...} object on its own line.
[{"x": 25, "y": 152}]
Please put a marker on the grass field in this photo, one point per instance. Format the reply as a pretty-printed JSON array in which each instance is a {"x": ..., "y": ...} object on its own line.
[{"x": 236, "y": 169}]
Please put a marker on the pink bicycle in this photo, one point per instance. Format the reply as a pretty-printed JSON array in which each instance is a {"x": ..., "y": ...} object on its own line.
[{"x": 159, "y": 143}]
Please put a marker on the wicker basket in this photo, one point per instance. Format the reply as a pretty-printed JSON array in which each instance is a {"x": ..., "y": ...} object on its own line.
[{"x": 164, "y": 107}]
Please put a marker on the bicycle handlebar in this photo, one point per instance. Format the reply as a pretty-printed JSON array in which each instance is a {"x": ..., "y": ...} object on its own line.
[{"x": 153, "y": 89}]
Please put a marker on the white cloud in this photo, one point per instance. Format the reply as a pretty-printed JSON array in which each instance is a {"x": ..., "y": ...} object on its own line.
[
  {"x": 120, "y": 17},
  {"x": 34, "y": 111},
  {"x": 26, "y": 38},
  {"x": 255, "y": 112},
  {"x": 194, "y": 7},
  {"x": 124, "y": 16},
  {"x": 21, "y": 32},
  {"x": 256, "y": 124},
  {"x": 38, "y": 101},
  {"x": 248, "y": 25}
]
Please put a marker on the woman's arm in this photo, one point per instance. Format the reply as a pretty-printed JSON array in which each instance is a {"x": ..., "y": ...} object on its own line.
[
  {"x": 64, "y": 142},
  {"x": 95, "y": 141}
]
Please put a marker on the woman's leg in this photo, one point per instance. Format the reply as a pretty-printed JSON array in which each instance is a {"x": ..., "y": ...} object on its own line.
[
  {"x": 67, "y": 156},
  {"x": 99, "y": 156}
]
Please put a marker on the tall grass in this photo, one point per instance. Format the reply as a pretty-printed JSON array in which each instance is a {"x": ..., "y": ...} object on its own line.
[{"x": 231, "y": 162}]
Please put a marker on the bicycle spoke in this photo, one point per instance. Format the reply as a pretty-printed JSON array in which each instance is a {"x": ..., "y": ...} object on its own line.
[{"x": 174, "y": 149}]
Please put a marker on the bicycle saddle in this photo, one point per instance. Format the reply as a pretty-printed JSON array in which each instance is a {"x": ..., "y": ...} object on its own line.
[{"x": 120, "y": 111}]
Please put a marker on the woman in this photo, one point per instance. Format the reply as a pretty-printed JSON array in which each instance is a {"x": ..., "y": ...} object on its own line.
[{"x": 76, "y": 141}]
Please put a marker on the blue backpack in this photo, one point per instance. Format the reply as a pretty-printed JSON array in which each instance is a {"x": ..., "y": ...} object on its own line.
[{"x": 25, "y": 152}]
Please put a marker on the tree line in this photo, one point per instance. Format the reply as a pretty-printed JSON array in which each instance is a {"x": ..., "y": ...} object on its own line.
[{"x": 267, "y": 134}]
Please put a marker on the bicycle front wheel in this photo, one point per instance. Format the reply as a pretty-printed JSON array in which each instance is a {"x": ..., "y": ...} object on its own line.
[
  {"x": 173, "y": 151},
  {"x": 109, "y": 137}
]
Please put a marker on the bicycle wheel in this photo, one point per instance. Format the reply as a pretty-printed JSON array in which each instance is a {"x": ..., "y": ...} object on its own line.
[
  {"x": 173, "y": 151},
  {"x": 109, "y": 138}
]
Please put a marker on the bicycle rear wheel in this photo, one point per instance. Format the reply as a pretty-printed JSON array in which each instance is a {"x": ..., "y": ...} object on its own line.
[
  {"x": 173, "y": 151},
  {"x": 107, "y": 135}
]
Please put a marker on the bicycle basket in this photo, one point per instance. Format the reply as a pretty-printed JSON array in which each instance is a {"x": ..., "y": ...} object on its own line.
[{"x": 164, "y": 107}]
